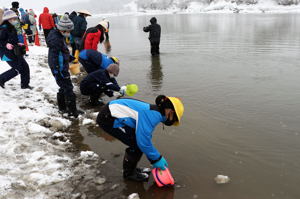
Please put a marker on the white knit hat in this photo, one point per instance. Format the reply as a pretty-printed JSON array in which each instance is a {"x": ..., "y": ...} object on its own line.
[
  {"x": 9, "y": 14},
  {"x": 65, "y": 23}
]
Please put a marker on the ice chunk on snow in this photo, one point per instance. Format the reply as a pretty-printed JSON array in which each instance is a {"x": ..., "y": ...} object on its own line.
[
  {"x": 221, "y": 179},
  {"x": 134, "y": 196},
  {"x": 87, "y": 121},
  {"x": 35, "y": 128},
  {"x": 88, "y": 155}
]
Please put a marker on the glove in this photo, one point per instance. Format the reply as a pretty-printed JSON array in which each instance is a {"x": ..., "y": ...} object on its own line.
[
  {"x": 9, "y": 46},
  {"x": 40, "y": 27},
  {"x": 122, "y": 90},
  {"x": 161, "y": 164}
]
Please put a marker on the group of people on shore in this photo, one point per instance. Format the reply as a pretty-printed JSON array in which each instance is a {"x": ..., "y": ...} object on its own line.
[{"x": 129, "y": 120}]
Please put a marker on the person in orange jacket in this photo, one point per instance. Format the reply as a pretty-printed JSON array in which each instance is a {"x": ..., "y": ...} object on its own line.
[{"x": 46, "y": 21}]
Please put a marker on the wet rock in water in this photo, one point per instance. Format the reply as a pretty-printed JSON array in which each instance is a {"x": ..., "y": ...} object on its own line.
[
  {"x": 134, "y": 196},
  {"x": 114, "y": 186},
  {"x": 221, "y": 179},
  {"x": 100, "y": 180}
]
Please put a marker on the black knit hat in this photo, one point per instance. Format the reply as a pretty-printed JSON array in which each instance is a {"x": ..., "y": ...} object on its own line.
[{"x": 15, "y": 4}]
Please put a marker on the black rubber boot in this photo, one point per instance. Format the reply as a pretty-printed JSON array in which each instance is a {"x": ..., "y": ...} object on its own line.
[
  {"x": 2, "y": 84},
  {"x": 71, "y": 106},
  {"x": 130, "y": 172},
  {"x": 94, "y": 101},
  {"x": 61, "y": 102}
]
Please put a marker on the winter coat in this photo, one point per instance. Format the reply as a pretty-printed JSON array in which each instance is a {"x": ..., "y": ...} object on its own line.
[
  {"x": 154, "y": 31},
  {"x": 80, "y": 26},
  {"x": 46, "y": 20},
  {"x": 72, "y": 16},
  {"x": 102, "y": 79},
  {"x": 97, "y": 58},
  {"x": 33, "y": 22},
  {"x": 8, "y": 34},
  {"x": 92, "y": 37},
  {"x": 58, "y": 54},
  {"x": 142, "y": 117}
]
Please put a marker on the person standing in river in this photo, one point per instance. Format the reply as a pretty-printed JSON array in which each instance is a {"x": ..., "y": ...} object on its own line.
[
  {"x": 133, "y": 122},
  {"x": 154, "y": 30}
]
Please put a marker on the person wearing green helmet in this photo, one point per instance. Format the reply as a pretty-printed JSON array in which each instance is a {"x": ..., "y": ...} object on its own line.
[{"x": 133, "y": 122}]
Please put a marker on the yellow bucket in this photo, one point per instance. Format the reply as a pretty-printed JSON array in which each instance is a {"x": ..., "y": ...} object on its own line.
[
  {"x": 74, "y": 69},
  {"x": 25, "y": 27}
]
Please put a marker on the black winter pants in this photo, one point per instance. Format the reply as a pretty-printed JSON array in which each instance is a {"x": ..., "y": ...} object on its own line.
[
  {"x": 46, "y": 33},
  {"x": 64, "y": 82},
  {"x": 18, "y": 66},
  {"x": 154, "y": 47},
  {"x": 88, "y": 65},
  {"x": 124, "y": 134}
]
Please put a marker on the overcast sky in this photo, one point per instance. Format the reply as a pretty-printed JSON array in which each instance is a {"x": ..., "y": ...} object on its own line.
[{"x": 38, "y": 5}]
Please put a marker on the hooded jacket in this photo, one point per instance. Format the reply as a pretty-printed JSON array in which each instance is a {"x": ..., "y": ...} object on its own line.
[
  {"x": 80, "y": 25},
  {"x": 8, "y": 34},
  {"x": 46, "y": 20},
  {"x": 154, "y": 30}
]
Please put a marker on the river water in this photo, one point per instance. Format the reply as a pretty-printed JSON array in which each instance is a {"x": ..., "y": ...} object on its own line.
[{"x": 238, "y": 77}]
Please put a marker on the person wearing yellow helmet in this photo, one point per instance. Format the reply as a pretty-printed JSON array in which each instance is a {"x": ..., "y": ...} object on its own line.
[
  {"x": 133, "y": 122},
  {"x": 93, "y": 60}
]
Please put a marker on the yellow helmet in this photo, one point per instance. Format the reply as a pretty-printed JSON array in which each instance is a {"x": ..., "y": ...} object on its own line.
[
  {"x": 116, "y": 60},
  {"x": 179, "y": 108}
]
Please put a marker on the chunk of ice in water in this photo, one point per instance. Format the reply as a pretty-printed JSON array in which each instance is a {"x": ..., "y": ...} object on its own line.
[
  {"x": 134, "y": 196},
  {"x": 221, "y": 179}
]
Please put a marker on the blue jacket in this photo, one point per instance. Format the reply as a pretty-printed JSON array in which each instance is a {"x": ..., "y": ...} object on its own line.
[
  {"x": 140, "y": 116},
  {"x": 7, "y": 35},
  {"x": 97, "y": 58},
  {"x": 58, "y": 54}
]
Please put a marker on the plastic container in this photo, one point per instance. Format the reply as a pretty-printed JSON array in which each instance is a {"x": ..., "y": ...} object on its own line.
[
  {"x": 74, "y": 69},
  {"x": 163, "y": 177}
]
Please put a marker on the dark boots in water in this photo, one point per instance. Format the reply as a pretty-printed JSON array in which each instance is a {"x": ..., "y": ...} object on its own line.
[
  {"x": 94, "y": 101},
  {"x": 130, "y": 172},
  {"x": 61, "y": 102},
  {"x": 71, "y": 106}
]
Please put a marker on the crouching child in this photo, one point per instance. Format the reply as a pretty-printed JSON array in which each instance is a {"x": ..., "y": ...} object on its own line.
[{"x": 101, "y": 81}]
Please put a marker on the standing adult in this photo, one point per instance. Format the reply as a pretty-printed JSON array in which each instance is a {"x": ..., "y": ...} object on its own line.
[
  {"x": 12, "y": 51},
  {"x": 46, "y": 22},
  {"x": 26, "y": 25},
  {"x": 73, "y": 45},
  {"x": 15, "y": 7},
  {"x": 32, "y": 20},
  {"x": 154, "y": 35},
  {"x": 80, "y": 26}
]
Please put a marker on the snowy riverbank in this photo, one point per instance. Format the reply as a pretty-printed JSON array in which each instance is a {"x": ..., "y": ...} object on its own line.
[{"x": 37, "y": 158}]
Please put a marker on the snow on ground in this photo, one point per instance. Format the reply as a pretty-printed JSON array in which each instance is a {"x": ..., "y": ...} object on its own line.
[
  {"x": 266, "y": 6},
  {"x": 33, "y": 146}
]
